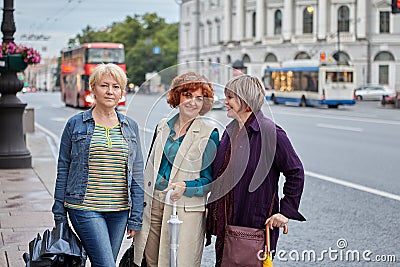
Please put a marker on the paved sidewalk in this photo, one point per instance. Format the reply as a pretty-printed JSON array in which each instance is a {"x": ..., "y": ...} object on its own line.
[
  {"x": 26, "y": 198},
  {"x": 25, "y": 201}
]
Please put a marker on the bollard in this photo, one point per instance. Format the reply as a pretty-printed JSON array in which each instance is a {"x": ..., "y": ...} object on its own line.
[{"x": 29, "y": 120}]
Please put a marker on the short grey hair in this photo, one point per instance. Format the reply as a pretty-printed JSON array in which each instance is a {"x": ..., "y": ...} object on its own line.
[{"x": 249, "y": 90}]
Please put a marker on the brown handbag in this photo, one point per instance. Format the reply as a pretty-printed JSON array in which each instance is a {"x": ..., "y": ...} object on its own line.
[{"x": 242, "y": 245}]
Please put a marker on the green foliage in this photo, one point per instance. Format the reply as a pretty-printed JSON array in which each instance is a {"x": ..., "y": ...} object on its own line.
[{"x": 139, "y": 34}]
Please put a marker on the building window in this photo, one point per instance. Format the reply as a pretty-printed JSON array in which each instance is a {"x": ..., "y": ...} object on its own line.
[
  {"x": 302, "y": 55},
  {"x": 210, "y": 35},
  {"x": 246, "y": 59},
  {"x": 278, "y": 22},
  {"x": 383, "y": 74},
  {"x": 218, "y": 29},
  {"x": 253, "y": 26},
  {"x": 270, "y": 58},
  {"x": 343, "y": 19},
  {"x": 228, "y": 59},
  {"x": 384, "y": 67},
  {"x": 202, "y": 35},
  {"x": 384, "y": 22},
  {"x": 308, "y": 20}
]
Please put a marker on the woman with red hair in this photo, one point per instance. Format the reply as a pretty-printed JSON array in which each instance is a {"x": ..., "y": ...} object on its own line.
[{"x": 180, "y": 158}]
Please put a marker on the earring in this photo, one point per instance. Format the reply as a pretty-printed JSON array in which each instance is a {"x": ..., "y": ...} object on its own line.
[{"x": 248, "y": 110}]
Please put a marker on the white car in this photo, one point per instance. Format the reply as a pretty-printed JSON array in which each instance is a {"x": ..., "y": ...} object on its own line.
[{"x": 373, "y": 92}]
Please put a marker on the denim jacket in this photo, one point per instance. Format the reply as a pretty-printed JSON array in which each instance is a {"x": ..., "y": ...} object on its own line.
[{"x": 73, "y": 166}]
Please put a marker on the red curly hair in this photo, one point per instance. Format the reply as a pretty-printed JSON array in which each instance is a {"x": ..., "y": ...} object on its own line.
[{"x": 189, "y": 82}]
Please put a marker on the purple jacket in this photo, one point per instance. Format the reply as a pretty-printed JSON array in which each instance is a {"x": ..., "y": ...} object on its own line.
[{"x": 257, "y": 157}]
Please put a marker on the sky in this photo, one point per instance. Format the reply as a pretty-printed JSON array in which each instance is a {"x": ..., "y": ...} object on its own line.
[{"x": 60, "y": 20}]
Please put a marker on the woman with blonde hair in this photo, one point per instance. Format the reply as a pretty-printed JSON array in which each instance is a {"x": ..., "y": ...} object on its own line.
[{"x": 99, "y": 181}]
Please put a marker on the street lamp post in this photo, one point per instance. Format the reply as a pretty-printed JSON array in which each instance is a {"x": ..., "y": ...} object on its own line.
[{"x": 13, "y": 151}]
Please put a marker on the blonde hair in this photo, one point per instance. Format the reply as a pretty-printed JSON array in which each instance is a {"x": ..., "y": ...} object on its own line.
[
  {"x": 115, "y": 71},
  {"x": 249, "y": 91}
]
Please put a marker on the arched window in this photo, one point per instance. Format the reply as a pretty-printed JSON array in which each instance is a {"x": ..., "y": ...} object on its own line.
[
  {"x": 384, "y": 68},
  {"x": 308, "y": 13},
  {"x": 302, "y": 55},
  {"x": 278, "y": 22},
  {"x": 228, "y": 59},
  {"x": 384, "y": 56},
  {"x": 270, "y": 58},
  {"x": 342, "y": 58},
  {"x": 343, "y": 19},
  {"x": 246, "y": 59},
  {"x": 253, "y": 25},
  {"x": 202, "y": 40},
  {"x": 210, "y": 33}
]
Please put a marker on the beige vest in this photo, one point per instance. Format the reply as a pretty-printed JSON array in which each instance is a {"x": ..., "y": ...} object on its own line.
[{"x": 186, "y": 166}]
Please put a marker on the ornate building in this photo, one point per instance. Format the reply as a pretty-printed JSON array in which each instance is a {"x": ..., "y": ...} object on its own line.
[{"x": 262, "y": 33}]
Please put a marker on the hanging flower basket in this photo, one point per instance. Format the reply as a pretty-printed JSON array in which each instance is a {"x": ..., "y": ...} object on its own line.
[
  {"x": 17, "y": 58},
  {"x": 13, "y": 62}
]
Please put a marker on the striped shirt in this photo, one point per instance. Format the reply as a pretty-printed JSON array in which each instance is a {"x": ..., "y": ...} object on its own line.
[{"x": 107, "y": 188}]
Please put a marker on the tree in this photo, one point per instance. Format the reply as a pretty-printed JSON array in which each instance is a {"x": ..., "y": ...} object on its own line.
[{"x": 140, "y": 35}]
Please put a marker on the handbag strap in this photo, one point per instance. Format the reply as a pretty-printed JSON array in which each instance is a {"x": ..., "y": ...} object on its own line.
[{"x": 267, "y": 248}]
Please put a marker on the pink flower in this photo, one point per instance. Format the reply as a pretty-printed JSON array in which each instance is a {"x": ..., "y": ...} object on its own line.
[{"x": 30, "y": 55}]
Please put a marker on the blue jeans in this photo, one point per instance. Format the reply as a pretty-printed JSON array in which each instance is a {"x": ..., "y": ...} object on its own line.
[{"x": 101, "y": 234}]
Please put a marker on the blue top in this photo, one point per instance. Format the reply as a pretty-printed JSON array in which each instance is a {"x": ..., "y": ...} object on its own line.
[{"x": 195, "y": 187}]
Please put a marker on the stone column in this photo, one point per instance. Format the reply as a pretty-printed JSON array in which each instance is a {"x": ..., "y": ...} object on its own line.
[
  {"x": 227, "y": 21},
  {"x": 361, "y": 12},
  {"x": 322, "y": 20},
  {"x": 287, "y": 21},
  {"x": 260, "y": 17},
  {"x": 239, "y": 20}
]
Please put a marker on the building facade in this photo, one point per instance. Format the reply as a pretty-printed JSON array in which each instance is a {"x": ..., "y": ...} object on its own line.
[{"x": 264, "y": 33}]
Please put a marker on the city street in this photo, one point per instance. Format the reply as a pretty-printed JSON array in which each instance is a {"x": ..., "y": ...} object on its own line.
[{"x": 352, "y": 189}]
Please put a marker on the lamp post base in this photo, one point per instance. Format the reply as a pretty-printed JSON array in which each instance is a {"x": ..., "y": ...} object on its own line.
[{"x": 13, "y": 151}]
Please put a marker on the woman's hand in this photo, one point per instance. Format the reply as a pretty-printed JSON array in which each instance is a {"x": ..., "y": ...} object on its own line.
[
  {"x": 276, "y": 220},
  {"x": 179, "y": 188},
  {"x": 130, "y": 233}
]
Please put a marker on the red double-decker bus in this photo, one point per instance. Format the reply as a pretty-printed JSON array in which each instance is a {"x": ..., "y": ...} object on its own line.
[{"x": 78, "y": 63}]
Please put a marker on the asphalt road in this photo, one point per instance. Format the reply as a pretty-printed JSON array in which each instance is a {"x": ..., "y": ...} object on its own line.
[{"x": 352, "y": 191}]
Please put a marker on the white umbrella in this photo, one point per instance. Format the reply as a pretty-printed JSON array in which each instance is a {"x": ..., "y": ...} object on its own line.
[{"x": 174, "y": 225}]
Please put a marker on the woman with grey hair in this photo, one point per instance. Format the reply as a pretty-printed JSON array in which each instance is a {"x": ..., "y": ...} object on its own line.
[{"x": 252, "y": 154}]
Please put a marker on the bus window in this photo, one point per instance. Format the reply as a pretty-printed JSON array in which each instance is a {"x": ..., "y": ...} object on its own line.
[
  {"x": 309, "y": 81},
  {"x": 105, "y": 55},
  {"x": 341, "y": 77}
]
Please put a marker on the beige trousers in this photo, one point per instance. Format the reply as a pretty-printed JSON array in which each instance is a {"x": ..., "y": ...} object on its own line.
[{"x": 153, "y": 240}]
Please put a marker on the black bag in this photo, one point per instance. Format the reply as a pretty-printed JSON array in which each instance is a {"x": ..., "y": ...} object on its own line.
[
  {"x": 58, "y": 247},
  {"x": 127, "y": 258}
]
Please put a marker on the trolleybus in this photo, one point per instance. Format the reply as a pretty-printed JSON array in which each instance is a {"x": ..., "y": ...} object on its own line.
[{"x": 310, "y": 83}]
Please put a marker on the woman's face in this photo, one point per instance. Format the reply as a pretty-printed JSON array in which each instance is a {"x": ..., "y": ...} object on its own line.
[
  {"x": 234, "y": 109},
  {"x": 107, "y": 92},
  {"x": 191, "y": 103}
]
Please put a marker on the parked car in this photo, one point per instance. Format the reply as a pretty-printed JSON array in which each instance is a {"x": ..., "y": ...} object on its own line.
[
  {"x": 219, "y": 96},
  {"x": 390, "y": 99},
  {"x": 373, "y": 92}
]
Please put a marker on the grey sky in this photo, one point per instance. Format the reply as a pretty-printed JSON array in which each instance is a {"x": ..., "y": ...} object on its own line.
[{"x": 63, "y": 19}]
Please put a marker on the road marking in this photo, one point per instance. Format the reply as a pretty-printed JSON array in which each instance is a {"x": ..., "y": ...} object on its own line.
[
  {"x": 338, "y": 127},
  {"x": 59, "y": 119},
  {"x": 353, "y": 185},
  {"x": 339, "y": 118}
]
